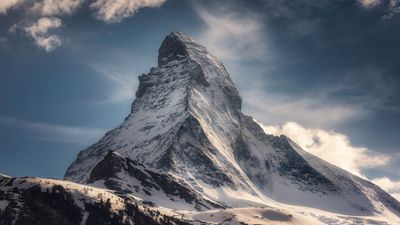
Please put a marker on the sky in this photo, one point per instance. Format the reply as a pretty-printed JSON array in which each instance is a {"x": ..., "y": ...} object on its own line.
[{"x": 325, "y": 73}]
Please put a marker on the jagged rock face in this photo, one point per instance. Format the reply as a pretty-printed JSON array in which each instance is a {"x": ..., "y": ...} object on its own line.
[
  {"x": 186, "y": 132},
  {"x": 149, "y": 184}
]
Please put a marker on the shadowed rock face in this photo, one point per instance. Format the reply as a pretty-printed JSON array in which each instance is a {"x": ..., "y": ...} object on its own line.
[
  {"x": 111, "y": 170},
  {"x": 107, "y": 168},
  {"x": 186, "y": 134},
  {"x": 172, "y": 48}
]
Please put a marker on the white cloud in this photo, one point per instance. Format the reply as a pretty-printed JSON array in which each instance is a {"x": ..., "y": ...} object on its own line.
[
  {"x": 39, "y": 31},
  {"x": 56, "y": 132},
  {"x": 331, "y": 146},
  {"x": 232, "y": 35},
  {"x": 5, "y": 5},
  {"x": 369, "y": 3},
  {"x": 112, "y": 11},
  {"x": 392, "y": 187},
  {"x": 56, "y": 7}
]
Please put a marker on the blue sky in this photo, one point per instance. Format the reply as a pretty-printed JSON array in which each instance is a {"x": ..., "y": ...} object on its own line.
[{"x": 325, "y": 73}]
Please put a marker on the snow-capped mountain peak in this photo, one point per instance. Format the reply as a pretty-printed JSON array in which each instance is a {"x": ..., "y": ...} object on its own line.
[
  {"x": 186, "y": 132},
  {"x": 190, "y": 89}
]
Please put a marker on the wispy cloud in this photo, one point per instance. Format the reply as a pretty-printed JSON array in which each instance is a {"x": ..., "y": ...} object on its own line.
[
  {"x": 123, "y": 89},
  {"x": 310, "y": 110},
  {"x": 117, "y": 10},
  {"x": 56, "y": 7},
  {"x": 232, "y": 35},
  {"x": 120, "y": 76},
  {"x": 55, "y": 132},
  {"x": 323, "y": 105},
  {"x": 369, "y": 3}
]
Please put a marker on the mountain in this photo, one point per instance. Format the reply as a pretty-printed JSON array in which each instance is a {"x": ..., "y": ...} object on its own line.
[{"x": 187, "y": 150}]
